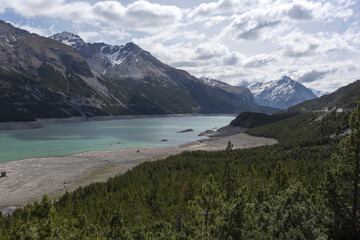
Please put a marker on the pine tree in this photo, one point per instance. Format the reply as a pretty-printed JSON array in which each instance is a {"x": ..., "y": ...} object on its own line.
[
  {"x": 342, "y": 189},
  {"x": 280, "y": 179},
  {"x": 229, "y": 183}
]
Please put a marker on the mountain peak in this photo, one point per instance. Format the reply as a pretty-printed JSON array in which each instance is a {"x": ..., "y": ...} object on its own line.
[
  {"x": 10, "y": 34},
  {"x": 282, "y": 93},
  {"x": 132, "y": 47},
  {"x": 69, "y": 38},
  {"x": 285, "y": 79}
]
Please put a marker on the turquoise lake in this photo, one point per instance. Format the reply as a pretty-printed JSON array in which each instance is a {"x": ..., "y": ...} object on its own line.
[{"x": 69, "y": 138}]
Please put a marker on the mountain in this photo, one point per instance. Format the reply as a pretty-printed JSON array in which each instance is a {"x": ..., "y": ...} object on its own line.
[
  {"x": 319, "y": 93},
  {"x": 63, "y": 76},
  {"x": 282, "y": 93},
  {"x": 168, "y": 89},
  {"x": 42, "y": 78},
  {"x": 345, "y": 98},
  {"x": 242, "y": 93}
]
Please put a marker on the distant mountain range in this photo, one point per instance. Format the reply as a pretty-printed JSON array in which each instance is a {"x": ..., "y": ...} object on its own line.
[
  {"x": 319, "y": 93},
  {"x": 282, "y": 93},
  {"x": 63, "y": 76}
]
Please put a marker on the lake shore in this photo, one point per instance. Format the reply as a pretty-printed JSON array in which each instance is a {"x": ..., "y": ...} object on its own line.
[
  {"x": 44, "y": 122},
  {"x": 28, "y": 179}
]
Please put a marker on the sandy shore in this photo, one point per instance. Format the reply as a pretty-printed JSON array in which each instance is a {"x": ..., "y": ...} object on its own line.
[{"x": 27, "y": 180}]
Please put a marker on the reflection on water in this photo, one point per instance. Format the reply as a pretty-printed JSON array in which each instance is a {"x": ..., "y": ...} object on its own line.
[{"x": 69, "y": 138}]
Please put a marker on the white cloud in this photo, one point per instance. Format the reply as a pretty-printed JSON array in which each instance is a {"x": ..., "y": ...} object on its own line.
[
  {"x": 32, "y": 8},
  {"x": 221, "y": 7},
  {"x": 298, "y": 44},
  {"x": 42, "y": 31},
  {"x": 300, "y": 12},
  {"x": 139, "y": 15},
  {"x": 233, "y": 59},
  {"x": 260, "y": 60},
  {"x": 210, "y": 50},
  {"x": 215, "y": 20}
]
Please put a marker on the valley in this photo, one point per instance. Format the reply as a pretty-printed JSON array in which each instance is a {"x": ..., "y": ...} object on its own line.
[{"x": 179, "y": 120}]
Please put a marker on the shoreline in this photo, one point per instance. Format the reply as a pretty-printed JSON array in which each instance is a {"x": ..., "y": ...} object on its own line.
[
  {"x": 28, "y": 179},
  {"x": 45, "y": 122}
]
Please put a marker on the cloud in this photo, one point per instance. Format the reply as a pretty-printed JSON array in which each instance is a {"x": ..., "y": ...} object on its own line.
[
  {"x": 185, "y": 64},
  {"x": 42, "y": 31},
  {"x": 259, "y": 60},
  {"x": 104, "y": 34},
  {"x": 206, "y": 51},
  {"x": 32, "y": 8},
  {"x": 233, "y": 59},
  {"x": 139, "y": 15},
  {"x": 215, "y": 20},
  {"x": 249, "y": 25},
  {"x": 298, "y": 44},
  {"x": 300, "y": 12},
  {"x": 313, "y": 75},
  {"x": 352, "y": 35}
]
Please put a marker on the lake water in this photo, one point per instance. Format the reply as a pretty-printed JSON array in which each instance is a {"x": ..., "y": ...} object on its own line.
[{"x": 69, "y": 138}]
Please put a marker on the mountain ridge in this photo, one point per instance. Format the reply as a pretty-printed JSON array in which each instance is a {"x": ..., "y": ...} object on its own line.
[
  {"x": 43, "y": 78},
  {"x": 343, "y": 98}
]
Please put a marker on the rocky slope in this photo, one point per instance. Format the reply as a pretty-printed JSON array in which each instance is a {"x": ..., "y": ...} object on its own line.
[
  {"x": 282, "y": 93},
  {"x": 242, "y": 93},
  {"x": 42, "y": 78}
]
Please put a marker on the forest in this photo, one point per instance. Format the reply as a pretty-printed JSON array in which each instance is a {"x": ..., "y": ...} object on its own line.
[{"x": 304, "y": 187}]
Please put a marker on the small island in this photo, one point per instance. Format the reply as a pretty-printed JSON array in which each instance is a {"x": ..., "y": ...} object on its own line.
[{"x": 185, "y": 131}]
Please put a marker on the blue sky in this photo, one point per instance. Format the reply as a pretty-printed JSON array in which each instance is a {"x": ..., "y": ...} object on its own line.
[{"x": 314, "y": 42}]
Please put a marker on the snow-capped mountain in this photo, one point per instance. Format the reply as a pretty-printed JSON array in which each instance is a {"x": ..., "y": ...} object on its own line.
[
  {"x": 69, "y": 38},
  {"x": 319, "y": 93},
  {"x": 282, "y": 93},
  {"x": 124, "y": 61}
]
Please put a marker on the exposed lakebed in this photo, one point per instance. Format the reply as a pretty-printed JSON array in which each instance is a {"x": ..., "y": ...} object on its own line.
[{"x": 69, "y": 138}]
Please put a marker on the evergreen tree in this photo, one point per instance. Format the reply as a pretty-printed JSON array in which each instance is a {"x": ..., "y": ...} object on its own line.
[
  {"x": 229, "y": 183},
  {"x": 280, "y": 179},
  {"x": 342, "y": 189}
]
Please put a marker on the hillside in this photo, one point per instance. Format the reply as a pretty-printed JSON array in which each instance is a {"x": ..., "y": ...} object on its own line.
[
  {"x": 253, "y": 119},
  {"x": 345, "y": 97}
]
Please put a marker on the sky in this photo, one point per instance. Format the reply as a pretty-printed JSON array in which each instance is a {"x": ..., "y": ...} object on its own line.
[{"x": 316, "y": 43}]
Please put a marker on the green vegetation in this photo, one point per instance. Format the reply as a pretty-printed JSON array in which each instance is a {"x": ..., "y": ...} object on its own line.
[
  {"x": 302, "y": 188},
  {"x": 345, "y": 97},
  {"x": 253, "y": 119}
]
